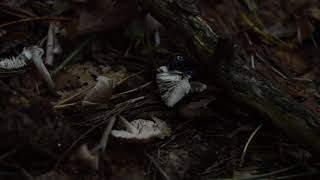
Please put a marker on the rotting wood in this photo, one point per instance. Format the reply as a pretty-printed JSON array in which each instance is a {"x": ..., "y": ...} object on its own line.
[{"x": 199, "y": 42}]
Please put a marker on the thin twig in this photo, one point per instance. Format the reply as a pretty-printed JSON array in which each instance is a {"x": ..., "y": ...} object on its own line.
[
  {"x": 7, "y": 154},
  {"x": 35, "y": 19},
  {"x": 162, "y": 172},
  {"x": 214, "y": 166},
  {"x": 302, "y": 79},
  {"x": 247, "y": 127},
  {"x": 130, "y": 101},
  {"x": 18, "y": 12},
  {"x": 314, "y": 42},
  {"x": 62, "y": 103},
  {"x": 272, "y": 68},
  {"x": 278, "y": 72},
  {"x": 247, "y": 145},
  {"x": 25, "y": 174},
  {"x": 248, "y": 38},
  {"x": 72, "y": 55},
  {"x": 117, "y": 110},
  {"x": 261, "y": 176},
  {"x": 155, "y": 172},
  {"x": 253, "y": 62},
  {"x": 98, "y": 118},
  {"x": 101, "y": 147},
  {"x": 128, "y": 77},
  {"x": 68, "y": 99},
  {"x": 132, "y": 90},
  {"x": 63, "y": 106},
  {"x": 104, "y": 139},
  {"x": 172, "y": 138},
  {"x": 12, "y": 13},
  {"x": 297, "y": 175}
]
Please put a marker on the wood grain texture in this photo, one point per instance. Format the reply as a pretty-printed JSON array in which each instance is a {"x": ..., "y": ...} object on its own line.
[{"x": 199, "y": 42}]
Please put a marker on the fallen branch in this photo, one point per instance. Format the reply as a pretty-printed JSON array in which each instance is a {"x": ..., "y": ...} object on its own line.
[{"x": 197, "y": 40}]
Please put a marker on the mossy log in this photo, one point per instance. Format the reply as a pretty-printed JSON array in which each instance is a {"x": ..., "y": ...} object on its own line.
[{"x": 195, "y": 38}]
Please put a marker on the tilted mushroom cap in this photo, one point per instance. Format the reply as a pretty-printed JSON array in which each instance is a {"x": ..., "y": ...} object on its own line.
[
  {"x": 16, "y": 62},
  {"x": 27, "y": 53},
  {"x": 101, "y": 92},
  {"x": 141, "y": 130},
  {"x": 173, "y": 85},
  {"x": 86, "y": 158}
]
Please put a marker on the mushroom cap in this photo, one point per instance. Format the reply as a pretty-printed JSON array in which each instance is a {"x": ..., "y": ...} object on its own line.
[
  {"x": 173, "y": 85},
  {"x": 27, "y": 53},
  {"x": 143, "y": 130},
  {"x": 101, "y": 92}
]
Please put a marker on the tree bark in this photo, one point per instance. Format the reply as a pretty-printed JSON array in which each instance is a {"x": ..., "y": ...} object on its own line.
[{"x": 199, "y": 42}]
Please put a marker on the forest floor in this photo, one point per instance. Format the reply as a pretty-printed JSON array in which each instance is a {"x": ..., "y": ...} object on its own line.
[{"x": 64, "y": 117}]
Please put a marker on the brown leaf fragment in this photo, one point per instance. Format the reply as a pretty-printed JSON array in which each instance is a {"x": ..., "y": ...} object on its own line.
[{"x": 305, "y": 29}]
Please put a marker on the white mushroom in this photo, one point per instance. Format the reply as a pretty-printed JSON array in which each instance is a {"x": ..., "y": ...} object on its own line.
[
  {"x": 86, "y": 157},
  {"x": 173, "y": 85},
  {"x": 26, "y": 53},
  {"x": 153, "y": 26},
  {"x": 12, "y": 63},
  {"x": 53, "y": 46},
  {"x": 16, "y": 62},
  {"x": 37, "y": 60},
  {"x": 100, "y": 93},
  {"x": 141, "y": 130}
]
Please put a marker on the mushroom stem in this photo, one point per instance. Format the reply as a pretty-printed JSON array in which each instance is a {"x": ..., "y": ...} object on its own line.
[
  {"x": 101, "y": 147},
  {"x": 129, "y": 127},
  {"x": 38, "y": 62},
  {"x": 153, "y": 26},
  {"x": 157, "y": 38},
  {"x": 53, "y": 46},
  {"x": 161, "y": 124}
]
